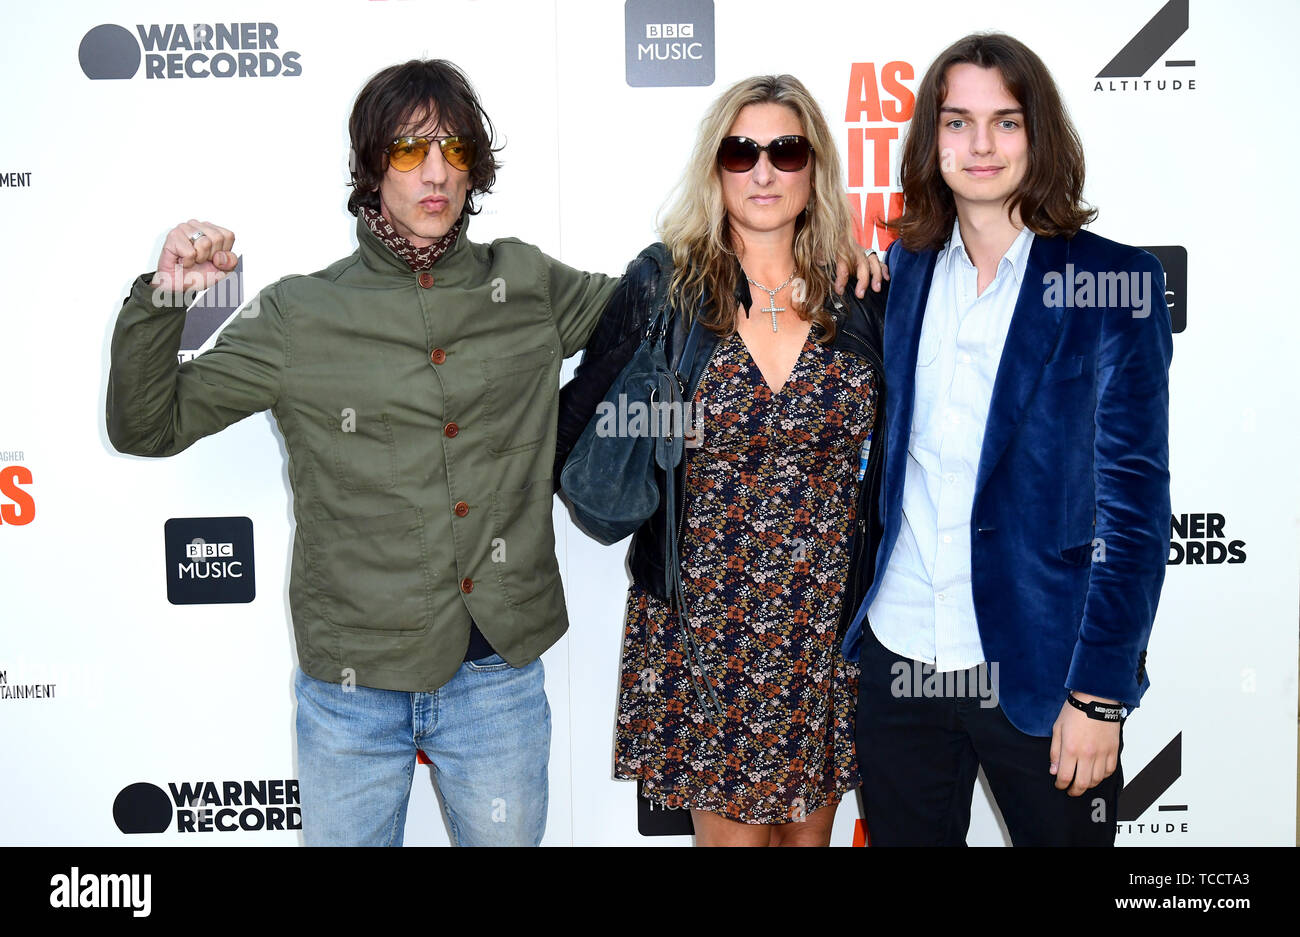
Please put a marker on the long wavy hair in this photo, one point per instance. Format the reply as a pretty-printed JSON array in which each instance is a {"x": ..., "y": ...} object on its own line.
[
  {"x": 1050, "y": 196},
  {"x": 697, "y": 231},
  {"x": 392, "y": 98}
]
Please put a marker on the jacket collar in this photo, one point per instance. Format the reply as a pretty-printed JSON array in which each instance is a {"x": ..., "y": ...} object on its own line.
[
  {"x": 376, "y": 255},
  {"x": 744, "y": 298},
  {"x": 1033, "y": 333}
]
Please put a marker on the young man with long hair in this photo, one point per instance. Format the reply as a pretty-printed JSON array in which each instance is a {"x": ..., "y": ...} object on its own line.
[{"x": 1026, "y": 488}]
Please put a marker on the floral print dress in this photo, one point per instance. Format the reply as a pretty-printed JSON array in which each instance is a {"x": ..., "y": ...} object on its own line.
[{"x": 770, "y": 503}]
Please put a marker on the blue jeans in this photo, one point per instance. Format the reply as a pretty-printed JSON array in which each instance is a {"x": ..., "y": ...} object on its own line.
[{"x": 487, "y": 733}]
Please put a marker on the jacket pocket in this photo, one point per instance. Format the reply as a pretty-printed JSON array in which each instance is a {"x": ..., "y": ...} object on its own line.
[
  {"x": 1065, "y": 369},
  {"x": 521, "y": 528},
  {"x": 365, "y": 457},
  {"x": 1079, "y": 555},
  {"x": 370, "y": 574},
  {"x": 520, "y": 399}
]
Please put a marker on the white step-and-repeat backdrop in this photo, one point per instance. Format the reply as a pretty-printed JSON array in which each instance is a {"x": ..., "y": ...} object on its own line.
[{"x": 117, "y": 126}]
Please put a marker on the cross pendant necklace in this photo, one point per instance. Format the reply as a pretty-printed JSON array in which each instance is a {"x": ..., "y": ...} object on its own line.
[{"x": 772, "y": 307}]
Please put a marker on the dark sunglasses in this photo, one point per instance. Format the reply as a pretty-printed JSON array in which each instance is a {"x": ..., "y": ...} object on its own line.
[
  {"x": 740, "y": 154},
  {"x": 405, "y": 153}
]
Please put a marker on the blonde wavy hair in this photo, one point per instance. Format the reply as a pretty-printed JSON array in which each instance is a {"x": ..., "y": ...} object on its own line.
[{"x": 697, "y": 231}]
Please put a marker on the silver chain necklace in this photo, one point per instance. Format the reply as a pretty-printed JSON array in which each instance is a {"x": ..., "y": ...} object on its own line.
[{"x": 772, "y": 307}]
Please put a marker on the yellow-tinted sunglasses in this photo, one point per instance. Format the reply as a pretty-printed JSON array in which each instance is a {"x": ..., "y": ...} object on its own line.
[{"x": 405, "y": 153}]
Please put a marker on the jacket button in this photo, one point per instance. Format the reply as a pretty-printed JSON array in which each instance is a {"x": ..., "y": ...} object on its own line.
[
  {"x": 451, "y": 429},
  {"x": 461, "y": 509},
  {"x": 426, "y": 279},
  {"x": 437, "y": 356},
  {"x": 467, "y": 585}
]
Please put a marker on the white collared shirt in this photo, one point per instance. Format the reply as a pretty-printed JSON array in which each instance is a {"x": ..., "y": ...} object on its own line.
[{"x": 924, "y": 609}]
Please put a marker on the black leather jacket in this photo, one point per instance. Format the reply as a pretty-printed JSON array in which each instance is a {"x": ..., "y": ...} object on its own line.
[{"x": 859, "y": 329}]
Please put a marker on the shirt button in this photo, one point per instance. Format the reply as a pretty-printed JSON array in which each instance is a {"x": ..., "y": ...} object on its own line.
[
  {"x": 947, "y": 538},
  {"x": 940, "y": 596},
  {"x": 450, "y": 430},
  {"x": 467, "y": 585},
  {"x": 426, "y": 280},
  {"x": 437, "y": 356},
  {"x": 950, "y": 477},
  {"x": 461, "y": 509},
  {"x": 965, "y": 358}
]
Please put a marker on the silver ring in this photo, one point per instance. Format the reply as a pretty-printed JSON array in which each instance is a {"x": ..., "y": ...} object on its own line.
[{"x": 195, "y": 236}]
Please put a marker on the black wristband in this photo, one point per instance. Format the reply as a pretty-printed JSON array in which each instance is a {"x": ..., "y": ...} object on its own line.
[{"x": 1105, "y": 712}]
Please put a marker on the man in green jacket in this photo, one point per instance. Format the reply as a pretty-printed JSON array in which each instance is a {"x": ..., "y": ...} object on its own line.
[{"x": 415, "y": 384}]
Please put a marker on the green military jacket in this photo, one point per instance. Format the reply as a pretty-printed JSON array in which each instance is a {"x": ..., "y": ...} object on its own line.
[{"x": 419, "y": 415}]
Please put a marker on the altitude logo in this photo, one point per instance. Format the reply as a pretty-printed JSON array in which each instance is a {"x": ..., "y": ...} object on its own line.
[
  {"x": 1174, "y": 261},
  {"x": 17, "y": 506},
  {"x": 209, "y": 560},
  {"x": 1127, "y": 71},
  {"x": 669, "y": 43},
  {"x": 208, "y": 807},
  {"x": 1149, "y": 785},
  {"x": 1199, "y": 539},
  {"x": 175, "y": 50},
  {"x": 878, "y": 104}
]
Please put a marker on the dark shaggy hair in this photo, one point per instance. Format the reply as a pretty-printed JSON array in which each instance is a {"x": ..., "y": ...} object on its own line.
[
  {"x": 396, "y": 96},
  {"x": 1050, "y": 197}
]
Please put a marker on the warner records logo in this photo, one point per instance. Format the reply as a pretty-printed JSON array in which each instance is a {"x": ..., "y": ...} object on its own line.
[
  {"x": 208, "y": 807},
  {"x": 669, "y": 43},
  {"x": 1202, "y": 540},
  {"x": 1149, "y": 785},
  {"x": 209, "y": 560},
  {"x": 1128, "y": 69},
  {"x": 1174, "y": 261},
  {"x": 178, "y": 50}
]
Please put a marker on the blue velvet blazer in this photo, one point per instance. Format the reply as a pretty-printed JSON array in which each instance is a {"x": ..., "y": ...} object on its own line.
[{"x": 1070, "y": 521}]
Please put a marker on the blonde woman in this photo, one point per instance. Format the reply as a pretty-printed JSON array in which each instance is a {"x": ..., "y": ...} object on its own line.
[{"x": 742, "y": 709}]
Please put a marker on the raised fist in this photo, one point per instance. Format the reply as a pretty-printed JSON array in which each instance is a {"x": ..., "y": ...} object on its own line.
[{"x": 195, "y": 255}]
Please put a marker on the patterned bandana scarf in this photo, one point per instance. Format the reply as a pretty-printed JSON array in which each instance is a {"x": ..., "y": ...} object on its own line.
[{"x": 419, "y": 258}]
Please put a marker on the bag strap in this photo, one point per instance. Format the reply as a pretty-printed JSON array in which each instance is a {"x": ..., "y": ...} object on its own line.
[
  {"x": 660, "y": 323},
  {"x": 687, "y": 359}
]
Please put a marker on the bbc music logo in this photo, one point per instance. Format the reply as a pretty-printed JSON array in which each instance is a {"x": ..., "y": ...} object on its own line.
[
  {"x": 1173, "y": 258},
  {"x": 669, "y": 43},
  {"x": 209, "y": 560},
  {"x": 1130, "y": 69},
  {"x": 180, "y": 50}
]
